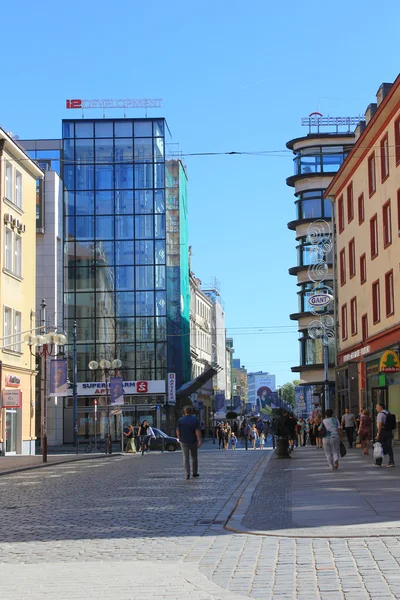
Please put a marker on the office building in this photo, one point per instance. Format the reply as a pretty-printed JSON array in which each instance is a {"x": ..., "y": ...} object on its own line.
[
  {"x": 317, "y": 157},
  {"x": 20, "y": 184},
  {"x": 366, "y": 195}
]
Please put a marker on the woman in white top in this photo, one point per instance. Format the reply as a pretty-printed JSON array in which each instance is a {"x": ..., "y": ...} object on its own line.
[{"x": 332, "y": 438}]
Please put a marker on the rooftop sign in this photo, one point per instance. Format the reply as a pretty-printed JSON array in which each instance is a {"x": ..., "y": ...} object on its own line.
[
  {"x": 111, "y": 103},
  {"x": 316, "y": 119}
]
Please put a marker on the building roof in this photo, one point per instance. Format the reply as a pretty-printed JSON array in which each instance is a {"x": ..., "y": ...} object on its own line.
[
  {"x": 363, "y": 146},
  {"x": 20, "y": 155}
]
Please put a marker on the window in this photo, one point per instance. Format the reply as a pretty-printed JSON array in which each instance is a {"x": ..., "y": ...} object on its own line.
[
  {"x": 352, "y": 258},
  {"x": 8, "y": 181},
  {"x": 7, "y": 327},
  {"x": 18, "y": 255},
  {"x": 385, "y": 157},
  {"x": 398, "y": 212},
  {"x": 341, "y": 214},
  {"x": 350, "y": 203},
  {"x": 353, "y": 316},
  {"x": 363, "y": 268},
  {"x": 376, "y": 304},
  {"x": 342, "y": 266},
  {"x": 387, "y": 224},
  {"x": 371, "y": 174},
  {"x": 17, "y": 331},
  {"x": 389, "y": 293},
  {"x": 397, "y": 140},
  {"x": 18, "y": 189},
  {"x": 344, "y": 322},
  {"x": 8, "y": 250},
  {"x": 373, "y": 226},
  {"x": 364, "y": 327},
  {"x": 361, "y": 211}
]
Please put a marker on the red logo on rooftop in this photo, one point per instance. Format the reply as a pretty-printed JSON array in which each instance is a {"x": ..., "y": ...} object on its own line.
[{"x": 74, "y": 104}]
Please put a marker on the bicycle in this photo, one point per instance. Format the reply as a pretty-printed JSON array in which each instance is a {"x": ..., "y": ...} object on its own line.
[{"x": 101, "y": 446}]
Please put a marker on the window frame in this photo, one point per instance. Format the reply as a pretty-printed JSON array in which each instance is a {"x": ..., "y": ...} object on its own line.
[
  {"x": 8, "y": 187},
  {"x": 344, "y": 327},
  {"x": 398, "y": 212},
  {"x": 353, "y": 316},
  {"x": 373, "y": 236},
  {"x": 371, "y": 174},
  {"x": 350, "y": 203},
  {"x": 387, "y": 224},
  {"x": 389, "y": 293},
  {"x": 17, "y": 345},
  {"x": 17, "y": 255},
  {"x": 7, "y": 331},
  {"x": 397, "y": 140},
  {"x": 352, "y": 258},
  {"x": 342, "y": 266},
  {"x": 18, "y": 189},
  {"x": 8, "y": 249},
  {"x": 341, "y": 214},
  {"x": 363, "y": 268},
  {"x": 384, "y": 145},
  {"x": 376, "y": 302},
  {"x": 361, "y": 209},
  {"x": 364, "y": 327}
]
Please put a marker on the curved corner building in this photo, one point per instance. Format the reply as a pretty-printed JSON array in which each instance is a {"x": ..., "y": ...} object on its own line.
[{"x": 317, "y": 157}]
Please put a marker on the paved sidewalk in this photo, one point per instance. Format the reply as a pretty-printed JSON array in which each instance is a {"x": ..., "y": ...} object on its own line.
[{"x": 17, "y": 464}]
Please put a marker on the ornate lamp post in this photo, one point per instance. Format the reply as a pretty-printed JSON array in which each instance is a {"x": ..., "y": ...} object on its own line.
[
  {"x": 42, "y": 346},
  {"x": 106, "y": 365}
]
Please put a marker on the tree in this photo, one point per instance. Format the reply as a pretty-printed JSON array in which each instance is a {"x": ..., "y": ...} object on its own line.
[{"x": 287, "y": 392}]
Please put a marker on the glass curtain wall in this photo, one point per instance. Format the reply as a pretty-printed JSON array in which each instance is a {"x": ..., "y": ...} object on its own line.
[{"x": 115, "y": 244}]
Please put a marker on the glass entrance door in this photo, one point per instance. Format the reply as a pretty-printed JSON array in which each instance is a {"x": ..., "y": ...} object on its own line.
[{"x": 11, "y": 431}]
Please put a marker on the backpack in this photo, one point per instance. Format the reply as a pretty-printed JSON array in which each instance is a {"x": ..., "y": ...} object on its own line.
[
  {"x": 322, "y": 431},
  {"x": 391, "y": 422}
]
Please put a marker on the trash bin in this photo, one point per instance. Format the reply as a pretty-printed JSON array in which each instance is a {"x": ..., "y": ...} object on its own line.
[{"x": 282, "y": 447}]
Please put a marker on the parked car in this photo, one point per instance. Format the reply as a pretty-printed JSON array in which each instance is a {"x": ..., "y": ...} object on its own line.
[{"x": 170, "y": 443}]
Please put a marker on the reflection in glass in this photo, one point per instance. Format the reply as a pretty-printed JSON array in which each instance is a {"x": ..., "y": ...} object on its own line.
[
  {"x": 125, "y": 253},
  {"x": 160, "y": 252},
  {"x": 69, "y": 227},
  {"x": 84, "y": 203},
  {"x": 145, "y": 357},
  {"x": 145, "y": 278},
  {"x": 159, "y": 175},
  {"x": 143, "y": 150},
  {"x": 104, "y": 151},
  {"x": 124, "y": 202},
  {"x": 158, "y": 128},
  {"x": 124, "y": 150},
  {"x": 159, "y": 149},
  {"x": 144, "y": 251},
  {"x": 104, "y": 177},
  {"x": 85, "y": 279},
  {"x": 125, "y": 304},
  {"x": 161, "y": 304},
  {"x": 123, "y": 129},
  {"x": 143, "y": 128},
  {"x": 69, "y": 179},
  {"x": 104, "y": 253},
  {"x": 105, "y": 228},
  {"x": 159, "y": 226},
  {"x": 161, "y": 329},
  {"x": 126, "y": 329},
  {"x": 327, "y": 208},
  {"x": 84, "y": 177},
  {"x": 124, "y": 227},
  {"x": 145, "y": 304},
  {"x": 123, "y": 176},
  {"x": 105, "y": 330},
  {"x": 84, "y": 153},
  {"x": 145, "y": 329},
  {"x": 104, "y": 129},
  {"x": 105, "y": 279},
  {"x": 83, "y": 129},
  {"x": 84, "y": 228},
  {"x": 144, "y": 227},
  {"x": 105, "y": 203},
  {"x": 125, "y": 278},
  {"x": 159, "y": 201},
  {"x": 85, "y": 305},
  {"x": 144, "y": 175},
  {"x": 143, "y": 202},
  {"x": 84, "y": 354},
  {"x": 68, "y": 150},
  {"x": 160, "y": 278},
  {"x": 68, "y": 130},
  {"x": 105, "y": 303},
  {"x": 127, "y": 356}
]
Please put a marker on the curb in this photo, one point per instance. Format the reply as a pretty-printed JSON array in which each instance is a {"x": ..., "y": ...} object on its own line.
[{"x": 58, "y": 462}]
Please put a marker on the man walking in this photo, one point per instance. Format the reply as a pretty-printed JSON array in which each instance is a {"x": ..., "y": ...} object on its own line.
[
  {"x": 385, "y": 433},
  {"x": 349, "y": 425},
  {"x": 188, "y": 433}
]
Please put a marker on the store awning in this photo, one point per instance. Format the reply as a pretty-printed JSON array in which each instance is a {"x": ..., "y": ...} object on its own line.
[{"x": 192, "y": 386}]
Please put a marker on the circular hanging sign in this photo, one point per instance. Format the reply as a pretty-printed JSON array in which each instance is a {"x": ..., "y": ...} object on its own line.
[{"x": 320, "y": 300}]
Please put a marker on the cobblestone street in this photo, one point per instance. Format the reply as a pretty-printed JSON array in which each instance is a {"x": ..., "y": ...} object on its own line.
[{"x": 131, "y": 527}]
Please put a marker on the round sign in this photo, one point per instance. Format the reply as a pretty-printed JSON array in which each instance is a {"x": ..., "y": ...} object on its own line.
[{"x": 320, "y": 300}]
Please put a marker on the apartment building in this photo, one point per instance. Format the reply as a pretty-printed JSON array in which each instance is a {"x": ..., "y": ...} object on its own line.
[{"x": 366, "y": 196}]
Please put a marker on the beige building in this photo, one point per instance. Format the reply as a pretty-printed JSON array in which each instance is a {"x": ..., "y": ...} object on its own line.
[
  {"x": 366, "y": 195},
  {"x": 19, "y": 177}
]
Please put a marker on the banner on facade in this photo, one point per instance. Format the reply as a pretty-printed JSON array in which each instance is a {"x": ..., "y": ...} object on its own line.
[
  {"x": 98, "y": 388},
  {"x": 116, "y": 391},
  {"x": 11, "y": 399},
  {"x": 236, "y": 402},
  {"x": 219, "y": 402},
  {"x": 171, "y": 388},
  {"x": 58, "y": 377}
]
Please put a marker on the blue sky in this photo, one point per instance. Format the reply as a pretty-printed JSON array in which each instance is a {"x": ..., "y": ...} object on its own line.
[{"x": 234, "y": 76}]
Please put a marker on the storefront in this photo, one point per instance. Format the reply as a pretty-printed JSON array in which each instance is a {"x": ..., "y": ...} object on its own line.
[{"x": 17, "y": 414}]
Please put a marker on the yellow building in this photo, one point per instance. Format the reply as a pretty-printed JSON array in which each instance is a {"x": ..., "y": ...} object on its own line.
[
  {"x": 18, "y": 192},
  {"x": 366, "y": 194}
]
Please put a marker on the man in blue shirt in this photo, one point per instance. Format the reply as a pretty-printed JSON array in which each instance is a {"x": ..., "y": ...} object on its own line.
[{"x": 188, "y": 433}]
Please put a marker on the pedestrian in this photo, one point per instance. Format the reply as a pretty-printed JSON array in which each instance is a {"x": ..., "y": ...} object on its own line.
[
  {"x": 301, "y": 427},
  {"x": 331, "y": 433},
  {"x": 129, "y": 437},
  {"x": 317, "y": 423},
  {"x": 220, "y": 436},
  {"x": 292, "y": 431},
  {"x": 365, "y": 430},
  {"x": 144, "y": 434},
  {"x": 253, "y": 436},
  {"x": 233, "y": 441},
  {"x": 386, "y": 422},
  {"x": 349, "y": 425},
  {"x": 246, "y": 435},
  {"x": 260, "y": 426},
  {"x": 262, "y": 440},
  {"x": 188, "y": 433},
  {"x": 227, "y": 435}
]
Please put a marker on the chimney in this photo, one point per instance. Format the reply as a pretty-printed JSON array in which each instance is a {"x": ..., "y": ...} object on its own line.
[
  {"x": 359, "y": 129},
  {"x": 369, "y": 113},
  {"x": 382, "y": 92}
]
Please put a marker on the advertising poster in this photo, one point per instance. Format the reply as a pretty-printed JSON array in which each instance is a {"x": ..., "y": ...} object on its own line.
[
  {"x": 219, "y": 403},
  {"x": 116, "y": 391},
  {"x": 58, "y": 377}
]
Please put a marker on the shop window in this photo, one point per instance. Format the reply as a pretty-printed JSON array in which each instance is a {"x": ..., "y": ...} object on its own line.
[
  {"x": 387, "y": 224},
  {"x": 364, "y": 327},
  {"x": 350, "y": 203},
  {"x": 344, "y": 322},
  {"x": 389, "y": 293},
  {"x": 373, "y": 226},
  {"x": 361, "y": 210},
  {"x": 352, "y": 258},
  {"x": 371, "y": 174},
  {"x": 342, "y": 266},
  {"x": 353, "y": 316},
  {"x": 341, "y": 214},
  {"x": 397, "y": 139},
  {"x": 376, "y": 306},
  {"x": 363, "y": 268},
  {"x": 385, "y": 157}
]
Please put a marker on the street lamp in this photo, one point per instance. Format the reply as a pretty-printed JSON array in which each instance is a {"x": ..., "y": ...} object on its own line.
[
  {"x": 42, "y": 346},
  {"x": 106, "y": 365}
]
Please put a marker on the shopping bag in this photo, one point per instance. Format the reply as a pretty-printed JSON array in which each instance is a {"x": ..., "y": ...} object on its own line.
[
  {"x": 358, "y": 442},
  {"x": 378, "y": 450}
]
